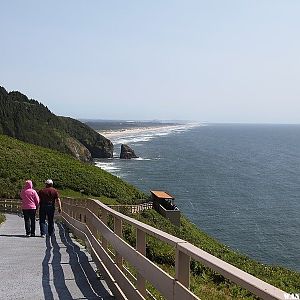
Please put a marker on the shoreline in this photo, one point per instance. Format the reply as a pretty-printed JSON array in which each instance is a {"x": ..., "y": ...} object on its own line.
[{"x": 149, "y": 129}]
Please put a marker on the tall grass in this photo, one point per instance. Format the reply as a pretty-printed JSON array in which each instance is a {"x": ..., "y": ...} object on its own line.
[
  {"x": 2, "y": 218},
  {"x": 20, "y": 161},
  {"x": 206, "y": 283}
]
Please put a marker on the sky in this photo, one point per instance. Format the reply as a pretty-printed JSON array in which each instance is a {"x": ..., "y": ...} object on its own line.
[{"x": 208, "y": 61}]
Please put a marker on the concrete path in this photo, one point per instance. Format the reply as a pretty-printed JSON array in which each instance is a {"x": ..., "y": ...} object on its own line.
[{"x": 54, "y": 267}]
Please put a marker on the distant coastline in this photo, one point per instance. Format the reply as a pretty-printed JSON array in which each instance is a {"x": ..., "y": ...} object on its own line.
[
  {"x": 135, "y": 135},
  {"x": 107, "y": 125},
  {"x": 237, "y": 174},
  {"x": 117, "y": 133}
]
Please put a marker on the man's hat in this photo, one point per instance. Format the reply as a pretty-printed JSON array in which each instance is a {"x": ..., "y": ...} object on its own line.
[{"x": 49, "y": 181}]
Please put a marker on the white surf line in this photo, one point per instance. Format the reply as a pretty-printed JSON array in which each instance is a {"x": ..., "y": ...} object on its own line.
[
  {"x": 193, "y": 207},
  {"x": 133, "y": 131},
  {"x": 151, "y": 129}
]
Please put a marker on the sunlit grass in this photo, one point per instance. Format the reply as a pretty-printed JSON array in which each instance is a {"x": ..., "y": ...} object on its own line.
[
  {"x": 206, "y": 283},
  {"x": 21, "y": 161},
  {"x": 2, "y": 218}
]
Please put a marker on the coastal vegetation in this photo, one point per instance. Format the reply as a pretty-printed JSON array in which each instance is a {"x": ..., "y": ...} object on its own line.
[
  {"x": 30, "y": 121},
  {"x": 20, "y": 161},
  {"x": 2, "y": 218},
  {"x": 204, "y": 282}
]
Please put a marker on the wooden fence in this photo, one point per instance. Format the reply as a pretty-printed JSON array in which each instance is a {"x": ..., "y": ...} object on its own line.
[
  {"x": 89, "y": 219},
  {"x": 14, "y": 205},
  {"x": 10, "y": 205},
  {"x": 133, "y": 209}
]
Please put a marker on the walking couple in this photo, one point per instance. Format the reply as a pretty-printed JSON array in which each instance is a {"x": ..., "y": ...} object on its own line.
[{"x": 45, "y": 199}]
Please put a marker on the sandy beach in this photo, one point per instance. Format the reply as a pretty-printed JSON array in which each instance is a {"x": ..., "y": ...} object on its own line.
[{"x": 114, "y": 134}]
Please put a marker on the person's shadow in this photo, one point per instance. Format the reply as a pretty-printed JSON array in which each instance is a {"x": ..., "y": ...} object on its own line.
[{"x": 83, "y": 274}]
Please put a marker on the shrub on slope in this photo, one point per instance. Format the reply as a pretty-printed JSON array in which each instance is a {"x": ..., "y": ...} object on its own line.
[
  {"x": 204, "y": 282},
  {"x": 20, "y": 161},
  {"x": 2, "y": 218}
]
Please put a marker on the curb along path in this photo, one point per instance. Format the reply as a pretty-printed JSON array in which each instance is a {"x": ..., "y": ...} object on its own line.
[{"x": 45, "y": 268}]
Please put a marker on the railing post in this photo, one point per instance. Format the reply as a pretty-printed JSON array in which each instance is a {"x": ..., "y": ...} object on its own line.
[
  {"x": 118, "y": 232},
  {"x": 182, "y": 268},
  {"x": 72, "y": 210},
  {"x": 92, "y": 228},
  {"x": 141, "y": 247},
  {"x": 89, "y": 225},
  {"x": 104, "y": 218}
]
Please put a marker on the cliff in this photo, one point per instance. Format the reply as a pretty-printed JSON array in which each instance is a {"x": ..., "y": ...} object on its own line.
[{"x": 30, "y": 121}]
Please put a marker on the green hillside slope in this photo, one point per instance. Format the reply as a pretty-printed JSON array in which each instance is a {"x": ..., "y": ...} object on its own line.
[
  {"x": 2, "y": 218},
  {"x": 20, "y": 161},
  {"x": 206, "y": 283},
  {"x": 32, "y": 122}
]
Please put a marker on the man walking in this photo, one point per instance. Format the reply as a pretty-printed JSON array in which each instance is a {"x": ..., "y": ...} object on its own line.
[{"x": 48, "y": 197}]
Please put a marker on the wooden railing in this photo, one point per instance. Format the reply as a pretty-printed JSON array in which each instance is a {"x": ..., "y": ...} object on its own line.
[
  {"x": 133, "y": 209},
  {"x": 14, "y": 205},
  {"x": 89, "y": 219},
  {"x": 10, "y": 205}
]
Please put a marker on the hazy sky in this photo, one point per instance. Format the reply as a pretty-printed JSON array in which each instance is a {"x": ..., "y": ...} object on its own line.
[{"x": 215, "y": 61}]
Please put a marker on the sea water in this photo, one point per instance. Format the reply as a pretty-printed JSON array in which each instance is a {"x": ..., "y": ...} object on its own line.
[{"x": 238, "y": 183}]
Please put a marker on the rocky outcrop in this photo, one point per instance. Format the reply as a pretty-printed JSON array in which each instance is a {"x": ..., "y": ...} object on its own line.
[
  {"x": 78, "y": 150},
  {"x": 97, "y": 144},
  {"x": 127, "y": 152}
]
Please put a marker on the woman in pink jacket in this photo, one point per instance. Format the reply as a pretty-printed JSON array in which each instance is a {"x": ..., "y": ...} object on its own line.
[{"x": 30, "y": 202}]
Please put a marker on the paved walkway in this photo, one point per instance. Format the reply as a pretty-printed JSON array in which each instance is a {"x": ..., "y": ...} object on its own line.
[{"x": 45, "y": 268}]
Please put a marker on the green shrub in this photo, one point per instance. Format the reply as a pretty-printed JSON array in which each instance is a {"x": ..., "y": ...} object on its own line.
[
  {"x": 206, "y": 283},
  {"x": 2, "y": 218},
  {"x": 20, "y": 161}
]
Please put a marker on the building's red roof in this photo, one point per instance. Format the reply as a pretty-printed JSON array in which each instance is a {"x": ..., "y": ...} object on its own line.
[{"x": 162, "y": 194}]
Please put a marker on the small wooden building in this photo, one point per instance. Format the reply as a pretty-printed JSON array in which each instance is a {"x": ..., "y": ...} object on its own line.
[{"x": 163, "y": 203}]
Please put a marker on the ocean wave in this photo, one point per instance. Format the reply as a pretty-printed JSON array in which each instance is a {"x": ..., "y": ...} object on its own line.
[
  {"x": 132, "y": 139},
  {"x": 137, "y": 136},
  {"x": 107, "y": 166},
  {"x": 141, "y": 158},
  {"x": 145, "y": 134}
]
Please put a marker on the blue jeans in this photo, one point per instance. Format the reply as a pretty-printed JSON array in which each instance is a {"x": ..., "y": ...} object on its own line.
[
  {"x": 29, "y": 218},
  {"x": 47, "y": 211}
]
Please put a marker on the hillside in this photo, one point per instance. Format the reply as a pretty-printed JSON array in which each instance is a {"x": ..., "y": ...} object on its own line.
[
  {"x": 20, "y": 161},
  {"x": 206, "y": 283},
  {"x": 2, "y": 218},
  {"x": 30, "y": 121}
]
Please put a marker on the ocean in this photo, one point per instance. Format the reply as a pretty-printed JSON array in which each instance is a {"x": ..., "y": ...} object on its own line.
[{"x": 238, "y": 183}]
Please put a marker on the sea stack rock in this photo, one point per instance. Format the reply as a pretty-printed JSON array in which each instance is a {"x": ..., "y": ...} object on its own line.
[{"x": 127, "y": 152}]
